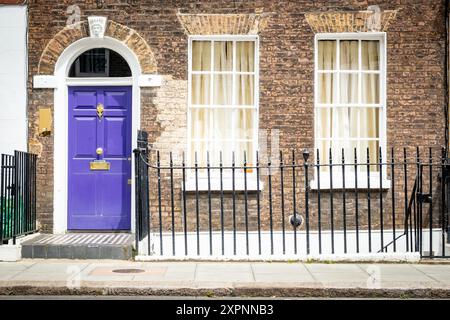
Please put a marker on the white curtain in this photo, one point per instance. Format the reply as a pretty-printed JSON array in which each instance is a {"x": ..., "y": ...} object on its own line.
[
  {"x": 244, "y": 88},
  {"x": 340, "y": 124},
  {"x": 327, "y": 86},
  {"x": 370, "y": 93}
]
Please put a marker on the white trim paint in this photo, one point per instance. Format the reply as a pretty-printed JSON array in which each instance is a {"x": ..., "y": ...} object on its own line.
[
  {"x": 410, "y": 257},
  {"x": 362, "y": 177},
  {"x": 60, "y": 83},
  {"x": 13, "y": 78},
  {"x": 339, "y": 254},
  {"x": 233, "y": 72},
  {"x": 50, "y": 82},
  {"x": 44, "y": 82}
]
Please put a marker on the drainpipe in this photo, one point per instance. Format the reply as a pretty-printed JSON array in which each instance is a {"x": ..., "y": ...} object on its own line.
[{"x": 446, "y": 76}]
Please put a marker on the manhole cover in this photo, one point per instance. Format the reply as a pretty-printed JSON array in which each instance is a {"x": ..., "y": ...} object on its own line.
[{"x": 128, "y": 271}]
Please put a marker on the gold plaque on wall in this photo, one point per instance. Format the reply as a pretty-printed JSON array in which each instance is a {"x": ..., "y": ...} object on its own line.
[{"x": 45, "y": 121}]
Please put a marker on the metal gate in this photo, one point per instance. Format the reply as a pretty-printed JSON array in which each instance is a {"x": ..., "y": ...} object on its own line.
[
  {"x": 433, "y": 196},
  {"x": 17, "y": 195}
]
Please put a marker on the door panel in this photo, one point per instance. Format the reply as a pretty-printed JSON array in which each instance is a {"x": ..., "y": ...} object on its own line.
[
  {"x": 86, "y": 136},
  {"x": 99, "y": 200},
  {"x": 85, "y": 99},
  {"x": 115, "y": 127}
]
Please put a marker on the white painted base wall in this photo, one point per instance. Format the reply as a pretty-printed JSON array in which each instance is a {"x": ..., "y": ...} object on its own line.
[
  {"x": 10, "y": 252},
  {"x": 13, "y": 252},
  {"x": 13, "y": 78},
  {"x": 339, "y": 253}
]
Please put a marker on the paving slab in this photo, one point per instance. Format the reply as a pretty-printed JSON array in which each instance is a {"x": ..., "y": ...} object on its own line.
[
  {"x": 224, "y": 276},
  {"x": 393, "y": 269},
  {"x": 334, "y": 268},
  {"x": 8, "y": 275},
  {"x": 16, "y": 266},
  {"x": 55, "y": 267},
  {"x": 341, "y": 277},
  {"x": 262, "y": 268},
  {"x": 433, "y": 268},
  {"x": 42, "y": 277},
  {"x": 113, "y": 277},
  {"x": 283, "y": 277},
  {"x": 224, "y": 267}
]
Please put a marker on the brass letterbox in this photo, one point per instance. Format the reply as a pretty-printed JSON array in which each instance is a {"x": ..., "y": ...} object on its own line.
[{"x": 99, "y": 165}]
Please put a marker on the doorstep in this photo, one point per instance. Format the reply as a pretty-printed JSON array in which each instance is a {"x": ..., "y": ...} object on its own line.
[{"x": 117, "y": 246}]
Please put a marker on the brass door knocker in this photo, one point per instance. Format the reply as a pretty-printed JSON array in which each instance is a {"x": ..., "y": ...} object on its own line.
[{"x": 100, "y": 111}]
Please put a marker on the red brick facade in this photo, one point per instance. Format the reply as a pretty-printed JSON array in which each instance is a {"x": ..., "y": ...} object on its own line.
[{"x": 415, "y": 70}]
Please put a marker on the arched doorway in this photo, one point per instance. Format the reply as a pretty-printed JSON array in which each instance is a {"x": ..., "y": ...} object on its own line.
[
  {"x": 99, "y": 144},
  {"x": 66, "y": 78}
]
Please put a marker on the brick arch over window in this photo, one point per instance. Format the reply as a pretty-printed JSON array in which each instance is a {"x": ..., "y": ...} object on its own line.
[{"x": 80, "y": 30}]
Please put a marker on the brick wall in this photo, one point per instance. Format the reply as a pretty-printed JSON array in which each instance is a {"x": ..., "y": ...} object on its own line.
[{"x": 415, "y": 72}]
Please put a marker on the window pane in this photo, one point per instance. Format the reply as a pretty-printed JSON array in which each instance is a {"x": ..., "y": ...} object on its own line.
[
  {"x": 244, "y": 89},
  {"x": 200, "y": 123},
  {"x": 200, "y": 148},
  {"x": 349, "y": 87},
  {"x": 221, "y": 124},
  {"x": 370, "y": 55},
  {"x": 355, "y": 118},
  {"x": 324, "y": 148},
  {"x": 340, "y": 123},
  {"x": 323, "y": 123},
  {"x": 370, "y": 88},
  {"x": 93, "y": 61},
  {"x": 346, "y": 146},
  {"x": 226, "y": 148},
  {"x": 244, "y": 123},
  {"x": 327, "y": 55},
  {"x": 327, "y": 87},
  {"x": 247, "y": 147},
  {"x": 223, "y": 56},
  {"x": 245, "y": 56},
  {"x": 222, "y": 89},
  {"x": 213, "y": 128},
  {"x": 369, "y": 122},
  {"x": 373, "y": 147},
  {"x": 201, "y": 89},
  {"x": 201, "y": 55},
  {"x": 349, "y": 54}
]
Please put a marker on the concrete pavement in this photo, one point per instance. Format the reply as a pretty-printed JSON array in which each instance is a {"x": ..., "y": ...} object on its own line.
[{"x": 215, "y": 279}]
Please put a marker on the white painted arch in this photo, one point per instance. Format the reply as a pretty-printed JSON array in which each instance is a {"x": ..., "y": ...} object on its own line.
[{"x": 60, "y": 83}]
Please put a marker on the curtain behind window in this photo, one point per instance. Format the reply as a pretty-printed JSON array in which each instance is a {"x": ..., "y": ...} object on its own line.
[
  {"x": 217, "y": 122},
  {"x": 339, "y": 124}
]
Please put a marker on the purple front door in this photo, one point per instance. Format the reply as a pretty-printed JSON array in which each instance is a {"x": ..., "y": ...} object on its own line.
[{"x": 99, "y": 134}]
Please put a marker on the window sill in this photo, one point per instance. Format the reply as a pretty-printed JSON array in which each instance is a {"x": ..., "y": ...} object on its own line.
[
  {"x": 350, "y": 184},
  {"x": 227, "y": 185}
]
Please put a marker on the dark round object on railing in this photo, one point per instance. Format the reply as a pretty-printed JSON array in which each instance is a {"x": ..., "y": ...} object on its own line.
[{"x": 296, "y": 220}]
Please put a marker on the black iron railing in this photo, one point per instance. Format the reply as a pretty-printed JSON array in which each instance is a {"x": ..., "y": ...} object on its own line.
[
  {"x": 17, "y": 195},
  {"x": 292, "y": 206}
]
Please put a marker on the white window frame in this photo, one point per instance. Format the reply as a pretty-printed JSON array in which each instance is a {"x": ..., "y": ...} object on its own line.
[
  {"x": 239, "y": 176},
  {"x": 337, "y": 171}
]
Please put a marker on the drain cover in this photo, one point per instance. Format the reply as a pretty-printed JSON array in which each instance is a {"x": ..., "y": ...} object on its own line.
[{"x": 128, "y": 271}]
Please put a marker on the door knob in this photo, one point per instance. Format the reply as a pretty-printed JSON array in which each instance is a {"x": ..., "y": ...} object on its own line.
[{"x": 99, "y": 151}]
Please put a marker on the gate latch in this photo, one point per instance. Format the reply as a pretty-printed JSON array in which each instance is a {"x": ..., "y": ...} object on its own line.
[{"x": 424, "y": 197}]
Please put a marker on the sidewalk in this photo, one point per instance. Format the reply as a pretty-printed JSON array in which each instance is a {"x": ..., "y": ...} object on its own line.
[{"x": 88, "y": 277}]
